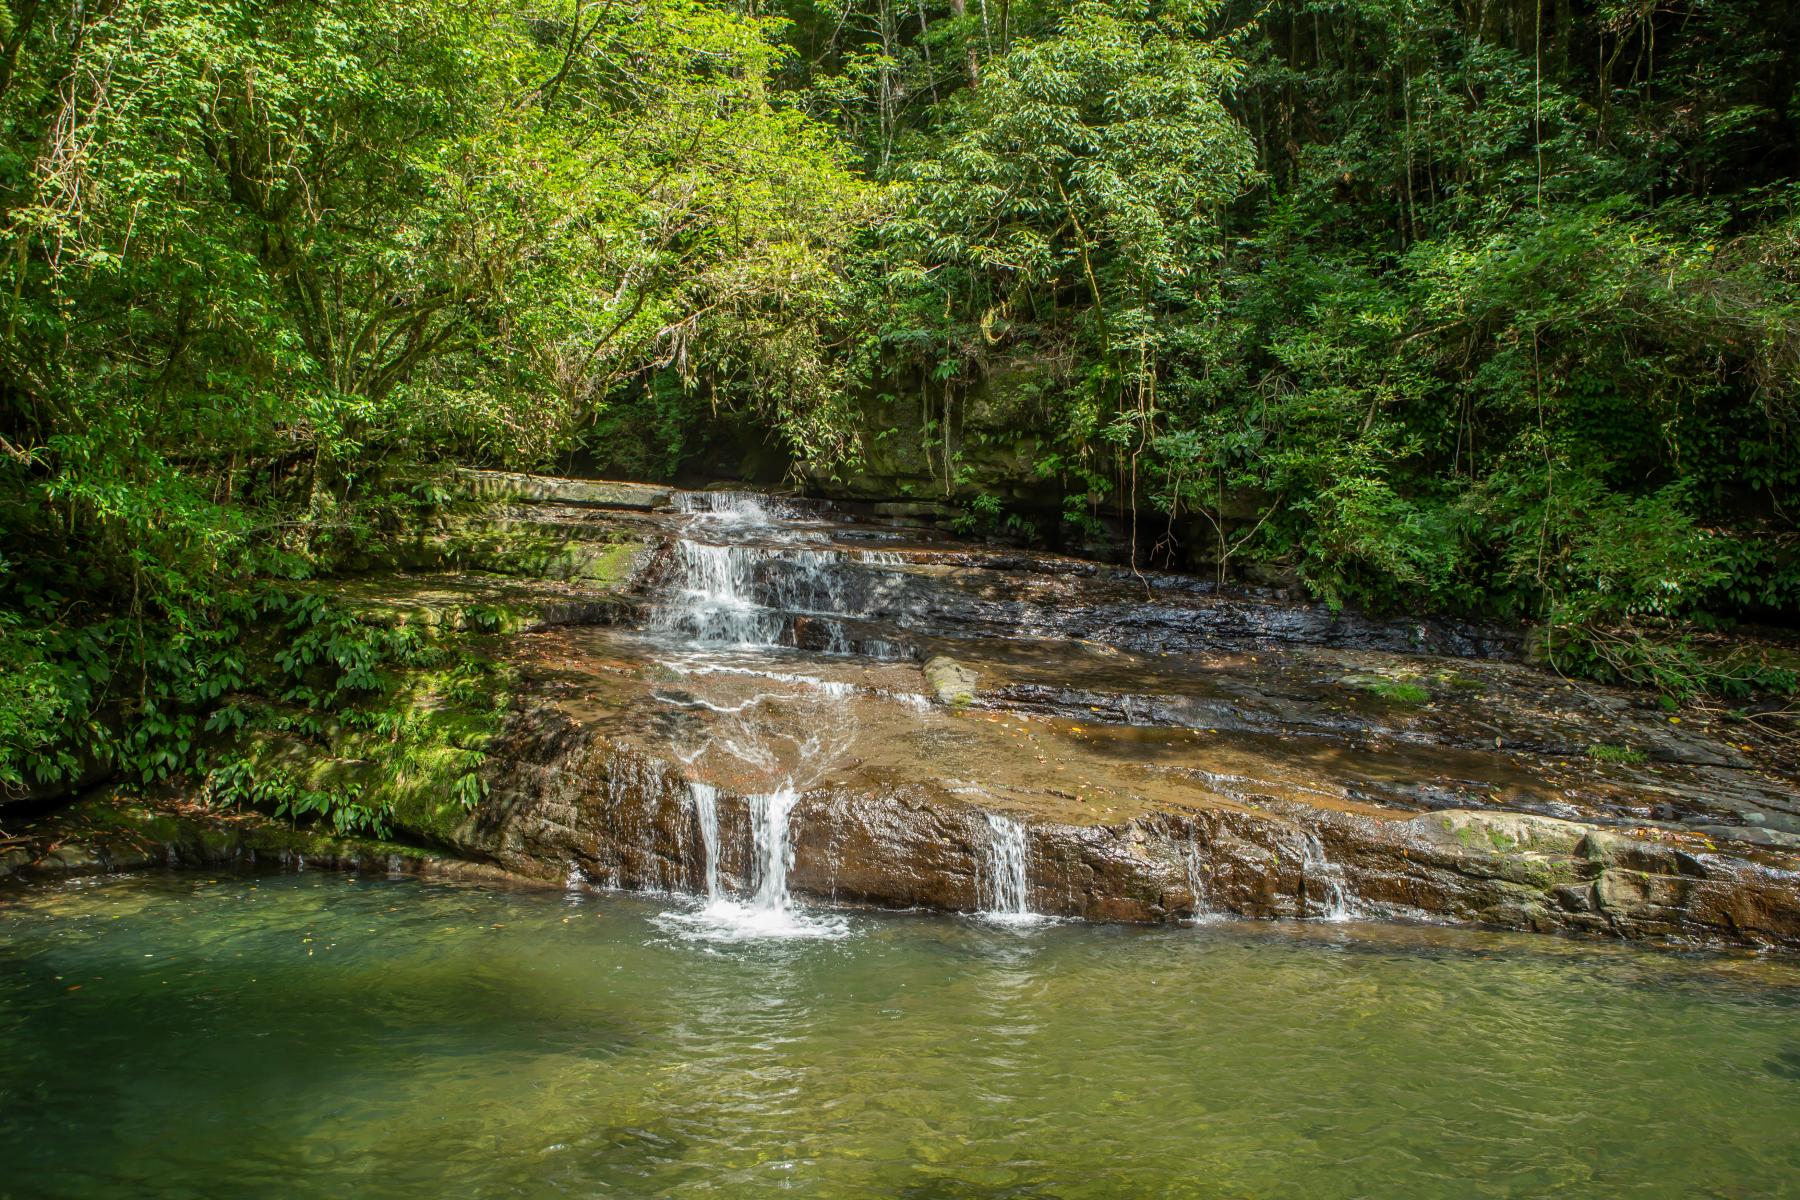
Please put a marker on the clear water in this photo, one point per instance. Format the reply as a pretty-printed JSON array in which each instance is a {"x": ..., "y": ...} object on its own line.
[{"x": 317, "y": 1036}]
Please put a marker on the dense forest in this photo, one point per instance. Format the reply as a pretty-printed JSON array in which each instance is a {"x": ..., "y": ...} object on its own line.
[{"x": 1488, "y": 307}]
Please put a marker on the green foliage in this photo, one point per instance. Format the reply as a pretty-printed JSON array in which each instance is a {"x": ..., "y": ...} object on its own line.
[
  {"x": 266, "y": 259},
  {"x": 390, "y": 721},
  {"x": 239, "y": 782},
  {"x": 1625, "y": 755},
  {"x": 45, "y": 697},
  {"x": 1098, "y": 158},
  {"x": 1459, "y": 324},
  {"x": 1400, "y": 691}
]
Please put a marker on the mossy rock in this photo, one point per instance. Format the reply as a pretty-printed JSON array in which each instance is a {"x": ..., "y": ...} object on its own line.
[
  {"x": 952, "y": 682},
  {"x": 1499, "y": 834},
  {"x": 1408, "y": 692},
  {"x": 550, "y": 489}
]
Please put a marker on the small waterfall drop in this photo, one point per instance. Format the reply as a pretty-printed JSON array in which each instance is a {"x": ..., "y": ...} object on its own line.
[
  {"x": 1315, "y": 866},
  {"x": 715, "y": 597},
  {"x": 1005, "y": 888},
  {"x": 1196, "y": 881},
  {"x": 769, "y": 814},
  {"x": 706, "y": 813},
  {"x": 769, "y": 912}
]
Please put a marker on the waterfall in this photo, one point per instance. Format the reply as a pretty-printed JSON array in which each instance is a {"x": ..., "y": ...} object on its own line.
[
  {"x": 730, "y": 506},
  {"x": 706, "y": 813},
  {"x": 1314, "y": 865},
  {"x": 769, "y": 912},
  {"x": 1196, "y": 881},
  {"x": 1004, "y": 888},
  {"x": 713, "y": 600},
  {"x": 743, "y": 577},
  {"x": 711, "y": 591},
  {"x": 740, "y": 577},
  {"x": 769, "y": 832}
]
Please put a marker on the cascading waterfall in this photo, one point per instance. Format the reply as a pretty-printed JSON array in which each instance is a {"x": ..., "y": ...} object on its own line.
[
  {"x": 711, "y": 595},
  {"x": 731, "y": 506},
  {"x": 743, "y": 577},
  {"x": 714, "y": 597},
  {"x": 1005, "y": 889}
]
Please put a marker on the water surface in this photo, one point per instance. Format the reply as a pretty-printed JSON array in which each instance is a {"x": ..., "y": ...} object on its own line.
[{"x": 316, "y": 1035}]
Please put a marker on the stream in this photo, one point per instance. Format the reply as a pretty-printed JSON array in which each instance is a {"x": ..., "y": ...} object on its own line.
[{"x": 318, "y": 1035}]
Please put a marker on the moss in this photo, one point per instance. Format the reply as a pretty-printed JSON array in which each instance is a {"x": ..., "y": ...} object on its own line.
[
  {"x": 1483, "y": 837},
  {"x": 1399, "y": 691},
  {"x": 422, "y": 797},
  {"x": 406, "y": 760},
  {"x": 614, "y": 565},
  {"x": 1602, "y": 752},
  {"x": 524, "y": 551},
  {"x": 122, "y": 829}
]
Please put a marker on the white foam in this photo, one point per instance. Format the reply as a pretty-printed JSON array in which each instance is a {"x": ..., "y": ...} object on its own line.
[{"x": 730, "y": 920}]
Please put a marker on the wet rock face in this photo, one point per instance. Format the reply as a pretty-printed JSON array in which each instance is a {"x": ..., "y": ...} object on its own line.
[
  {"x": 1166, "y": 757},
  {"x": 569, "y": 804}
]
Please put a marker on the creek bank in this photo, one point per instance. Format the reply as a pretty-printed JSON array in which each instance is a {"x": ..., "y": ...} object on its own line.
[{"x": 116, "y": 831}]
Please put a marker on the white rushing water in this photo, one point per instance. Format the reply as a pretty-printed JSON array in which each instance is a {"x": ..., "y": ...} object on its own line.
[
  {"x": 770, "y": 911},
  {"x": 1196, "y": 879},
  {"x": 1005, "y": 886},
  {"x": 748, "y": 507},
  {"x": 706, "y": 814},
  {"x": 769, "y": 813},
  {"x": 1317, "y": 868},
  {"x": 740, "y": 577},
  {"x": 713, "y": 598}
]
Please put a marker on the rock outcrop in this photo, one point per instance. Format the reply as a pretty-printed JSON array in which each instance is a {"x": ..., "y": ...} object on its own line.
[
  {"x": 570, "y": 800},
  {"x": 1191, "y": 756}
]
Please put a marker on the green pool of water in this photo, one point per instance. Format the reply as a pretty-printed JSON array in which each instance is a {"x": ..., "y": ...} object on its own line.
[{"x": 314, "y": 1035}]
